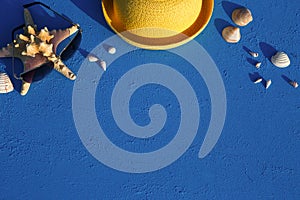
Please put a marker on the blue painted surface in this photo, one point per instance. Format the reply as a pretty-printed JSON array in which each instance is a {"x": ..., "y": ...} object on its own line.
[{"x": 257, "y": 156}]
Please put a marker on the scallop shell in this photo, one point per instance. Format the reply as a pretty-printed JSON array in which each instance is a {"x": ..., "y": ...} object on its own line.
[
  {"x": 231, "y": 34},
  {"x": 5, "y": 84},
  {"x": 242, "y": 16},
  {"x": 281, "y": 60}
]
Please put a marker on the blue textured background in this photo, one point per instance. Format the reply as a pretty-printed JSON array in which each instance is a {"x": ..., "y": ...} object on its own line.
[{"x": 257, "y": 156}]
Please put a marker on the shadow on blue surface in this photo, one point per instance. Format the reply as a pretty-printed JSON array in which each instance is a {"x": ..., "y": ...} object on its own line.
[
  {"x": 287, "y": 79},
  {"x": 229, "y": 7},
  {"x": 267, "y": 50},
  {"x": 252, "y": 61},
  {"x": 220, "y": 24},
  {"x": 254, "y": 76},
  {"x": 93, "y": 9}
]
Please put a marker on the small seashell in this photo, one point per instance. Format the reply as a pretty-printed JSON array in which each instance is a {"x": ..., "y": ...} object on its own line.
[
  {"x": 281, "y": 60},
  {"x": 112, "y": 50},
  {"x": 103, "y": 65},
  {"x": 92, "y": 58},
  {"x": 268, "y": 84},
  {"x": 259, "y": 80},
  {"x": 254, "y": 54},
  {"x": 242, "y": 16},
  {"x": 294, "y": 84},
  {"x": 231, "y": 34},
  {"x": 6, "y": 85},
  {"x": 258, "y": 65}
]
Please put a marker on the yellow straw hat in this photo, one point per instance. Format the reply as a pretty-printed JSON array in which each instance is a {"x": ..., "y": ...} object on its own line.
[{"x": 157, "y": 24}]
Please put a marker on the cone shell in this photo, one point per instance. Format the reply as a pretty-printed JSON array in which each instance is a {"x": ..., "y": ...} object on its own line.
[
  {"x": 103, "y": 65},
  {"x": 242, "y": 16},
  {"x": 281, "y": 60},
  {"x": 231, "y": 34},
  {"x": 268, "y": 84},
  {"x": 5, "y": 84},
  {"x": 259, "y": 80}
]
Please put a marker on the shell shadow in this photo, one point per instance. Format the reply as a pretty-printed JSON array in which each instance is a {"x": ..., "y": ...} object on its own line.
[
  {"x": 252, "y": 61},
  {"x": 229, "y": 7},
  {"x": 267, "y": 50},
  {"x": 93, "y": 9},
  {"x": 254, "y": 76},
  {"x": 220, "y": 24},
  {"x": 287, "y": 79},
  {"x": 85, "y": 54}
]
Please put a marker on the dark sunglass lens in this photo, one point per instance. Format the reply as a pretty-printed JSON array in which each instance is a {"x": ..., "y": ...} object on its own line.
[{"x": 72, "y": 47}]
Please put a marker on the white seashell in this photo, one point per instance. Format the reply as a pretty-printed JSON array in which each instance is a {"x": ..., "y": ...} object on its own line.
[
  {"x": 6, "y": 85},
  {"x": 258, "y": 65},
  {"x": 281, "y": 60},
  {"x": 254, "y": 54},
  {"x": 231, "y": 34},
  {"x": 294, "y": 84},
  {"x": 103, "y": 65},
  {"x": 92, "y": 58},
  {"x": 112, "y": 50},
  {"x": 259, "y": 80},
  {"x": 268, "y": 84},
  {"x": 242, "y": 16}
]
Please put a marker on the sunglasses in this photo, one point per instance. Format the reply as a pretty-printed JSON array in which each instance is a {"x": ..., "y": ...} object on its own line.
[{"x": 65, "y": 52}]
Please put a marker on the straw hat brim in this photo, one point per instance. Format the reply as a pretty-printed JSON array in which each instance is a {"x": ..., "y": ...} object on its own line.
[{"x": 159, "y": 43}]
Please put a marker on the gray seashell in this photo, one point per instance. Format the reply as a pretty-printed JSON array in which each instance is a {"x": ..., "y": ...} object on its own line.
[
  {"x": 231, "y": 34},
  {"x": 242, "y": 16},
  {"x": 281, "y": 60},
  {"x": 6, "y": 85}
]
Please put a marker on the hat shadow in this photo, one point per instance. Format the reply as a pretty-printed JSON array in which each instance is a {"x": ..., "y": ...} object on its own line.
[
  {"x": 229, "y": 7},
  {"x": 267, "y": 50},
  {"x": 93, "y": 9},
  {"x": 220, "y": 24}
]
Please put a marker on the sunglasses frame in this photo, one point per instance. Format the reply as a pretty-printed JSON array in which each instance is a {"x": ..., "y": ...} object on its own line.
[{"x": 78, "y": 34}]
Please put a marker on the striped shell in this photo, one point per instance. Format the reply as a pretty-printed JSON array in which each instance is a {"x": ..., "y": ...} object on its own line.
[
  {"x": 281, "y": 60},
  {"x": 231, "y": 34},
  {"x": 242, "y": 16},
  {"x": 5, "y": 84}
]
